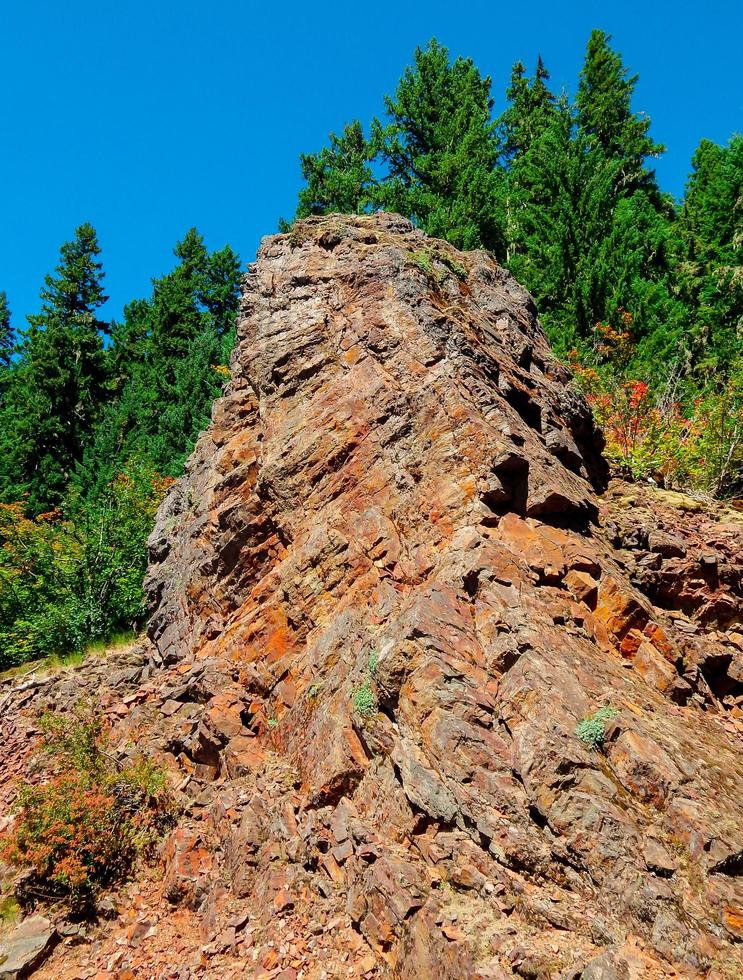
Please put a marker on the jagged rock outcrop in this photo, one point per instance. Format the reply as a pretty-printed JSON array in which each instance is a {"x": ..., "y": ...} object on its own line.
[
  {"x": 396, "y": 498},
  {"x": 386, "y": 592}
]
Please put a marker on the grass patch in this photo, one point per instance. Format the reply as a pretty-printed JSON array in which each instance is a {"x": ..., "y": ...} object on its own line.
[
  {"x": 425, "y": 259},
  {"x": 74, "y": 659}
]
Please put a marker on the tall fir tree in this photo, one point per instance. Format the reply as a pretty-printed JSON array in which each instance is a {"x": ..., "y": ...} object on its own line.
[
  {"x": 338, "y": 178},
  {"x": 58, "y": 391},
  {"x": 7, "y": 338},
  {"x": 604, "y": 114},
  {"x": 710, "y": 267},
  {"x": 531, "y": 109},
  {"x": 440, "y": 149},
  {"x": 168, "y": 358}
]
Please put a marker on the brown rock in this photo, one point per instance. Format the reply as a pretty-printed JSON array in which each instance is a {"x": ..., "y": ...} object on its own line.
[
  {"x": 187, "y": 863},
  {"x": 28, "y": 945}
]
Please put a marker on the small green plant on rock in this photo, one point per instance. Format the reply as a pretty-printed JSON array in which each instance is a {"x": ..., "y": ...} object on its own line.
[
  {"x": 422, "y": 260},
  {"x": 365, "y": 700},
  {"x": 592, "y": 729},
  {"x": 452, "y": 265}
]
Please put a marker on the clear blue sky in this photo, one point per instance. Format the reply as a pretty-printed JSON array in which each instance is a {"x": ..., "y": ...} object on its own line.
[{"x": 146, "y": 118}]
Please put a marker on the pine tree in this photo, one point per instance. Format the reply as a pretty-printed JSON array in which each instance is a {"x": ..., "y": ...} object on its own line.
[
  {"x": 168, "y": 358},
  {"x": 604, "y": 113},
  {"x": 338, "y": 178},
  {"x": 61, "y": 384},
  {"x": 440, "y": 149},
  {"x": 710, "y": 268},
  {"x": 7, "y": 340},
  {"x": 562, "y": 196},
  {"x": 531, "y": 109}
]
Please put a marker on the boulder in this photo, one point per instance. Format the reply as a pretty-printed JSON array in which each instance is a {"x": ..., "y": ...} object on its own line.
[{"x": 27, "y": 946}]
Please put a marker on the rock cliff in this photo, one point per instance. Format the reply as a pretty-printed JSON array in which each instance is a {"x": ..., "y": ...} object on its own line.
[{"x": 439, "y": 703}]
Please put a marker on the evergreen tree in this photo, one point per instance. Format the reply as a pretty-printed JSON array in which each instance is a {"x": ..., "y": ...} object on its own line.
[
  {"x": 338, "y": 178},
  {"x": 561, "y": 193},
  {"x": 531, "y": 109},
  {"x": 604, "y": 113},
  {"x": 168, "y": 357},
  {"x": 440, "y": 149},
  {"x": 710, "y": 269},
  {"x": 57, "y": 392},
  {"x": 7, "y": 340}
]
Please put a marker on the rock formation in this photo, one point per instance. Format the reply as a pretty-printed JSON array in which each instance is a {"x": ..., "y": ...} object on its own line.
[{"x": 387, "y": 592}]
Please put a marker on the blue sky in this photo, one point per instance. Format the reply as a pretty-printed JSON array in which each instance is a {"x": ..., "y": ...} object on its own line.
[{"x": 146, "y": 118}]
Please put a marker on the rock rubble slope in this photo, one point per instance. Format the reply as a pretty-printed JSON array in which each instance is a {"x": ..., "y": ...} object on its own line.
[{"x": 389, "y": 588}]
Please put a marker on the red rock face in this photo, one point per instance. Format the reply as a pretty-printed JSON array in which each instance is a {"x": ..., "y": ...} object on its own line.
[{"x": 384, "y": 596}]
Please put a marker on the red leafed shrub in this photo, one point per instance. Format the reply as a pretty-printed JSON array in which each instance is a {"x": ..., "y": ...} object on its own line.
[
  {"x": 72, "y": 834},
  {"x": 87, "y": 824},
  {"x": 677, "y": 436}
]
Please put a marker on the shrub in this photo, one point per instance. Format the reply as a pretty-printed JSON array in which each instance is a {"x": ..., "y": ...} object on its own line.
[
  {"x": 365, "y": 700},
  {"x": 70, "y": 578},
  {"x": 679, "y": 435},
  {"x": 592, "y": 729},
  {"x": 87, "y": 824}
]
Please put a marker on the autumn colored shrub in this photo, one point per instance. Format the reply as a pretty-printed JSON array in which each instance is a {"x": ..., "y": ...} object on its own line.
[
  {"x": 86, "y": 826},
  {"x": 677, "y": 436}
]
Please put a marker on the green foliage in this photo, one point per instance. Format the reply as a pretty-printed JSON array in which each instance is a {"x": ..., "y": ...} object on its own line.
[
  {"x": 440, "y": 149},
  {"x": 54, "y": 397},
  {"x": 677, "y": 434},
  {"x": 86, "y": 825},
  {"x": 434, "y": 156},
  {"x": 90, "y": 436},
  {"x": 7, "y": 340},
  {"x": 365, "y": 700},
  {"x": 710, "y": 256},
  {"x": 592, "y": 729},
  {"x": 339, "y": 177},
  {"x": 66, "y": 579},
  {"x": 170, "y": 357},
  {"x": 422, "y": 260},
  {"x": 531, "y": 109},
  {"x": 604, "y": 114},
  {"x": 426, "y": 259}
]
